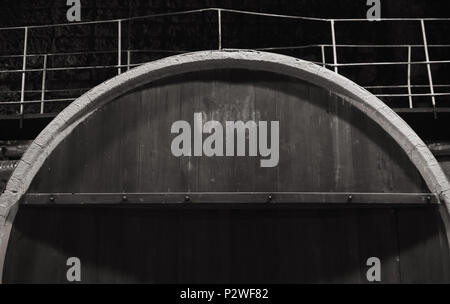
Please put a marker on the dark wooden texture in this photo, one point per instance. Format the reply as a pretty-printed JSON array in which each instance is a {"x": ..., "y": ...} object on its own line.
[
  {"x": 326, "y": 145},
  {"x": 227, "y": 244}
]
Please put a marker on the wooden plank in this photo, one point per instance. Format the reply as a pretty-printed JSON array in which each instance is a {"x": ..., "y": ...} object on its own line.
[
  {"x": 377, "y": 237},
  {"x": 204, "y": 238},
  {"x": 297, "y": 113},
  {"x": 41, "y": 242},
  {"x": 105, "y": 152},
  {"x": 266, "y": 98},
  {"x": 254, "y": 244},
  {"x": 185, "y": 244},
  {"x": 191, "y": 95},
  {"x": 161, "y": 106},
  {"x": 230, "y": 197},
  {"x": 130, "y": 140},
  {"x": 423, "y": 255},
  {"x": 215, "y": 173},
  {"x": 338, "y": 256},
  {"x": 376, "y": 153},
  {"x": 325, "y": 144}
]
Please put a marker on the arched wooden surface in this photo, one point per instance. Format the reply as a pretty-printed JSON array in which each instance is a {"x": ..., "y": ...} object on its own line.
[
  {"x": 326, "y": 144},
  {"x": 384, "y": 147}
]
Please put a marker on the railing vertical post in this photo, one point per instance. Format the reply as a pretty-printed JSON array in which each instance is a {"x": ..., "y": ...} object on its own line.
[
  {"x": 24, "y": 66},
  {"x": 44, "y": 72},
  {"x": 409, "y": 78},
  {"x": 219, "y": 29},
  {"x": 119, "y": 46},
  {"x": 427, "y": 58},
  {"x": 333, "y": 38},
  {"x": 128, "y": 59},
  {"x": 324, "y": 62}
]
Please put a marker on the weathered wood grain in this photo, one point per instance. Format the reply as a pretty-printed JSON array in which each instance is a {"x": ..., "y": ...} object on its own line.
[
  {"x": 325, "y": 143},
  {"x": 192, "y": 244}
]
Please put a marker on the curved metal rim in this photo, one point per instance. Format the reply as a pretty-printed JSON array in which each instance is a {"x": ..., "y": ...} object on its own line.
[{"x": 89, "y": 102}]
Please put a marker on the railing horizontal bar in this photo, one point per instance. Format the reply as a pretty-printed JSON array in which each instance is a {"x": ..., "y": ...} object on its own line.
[
  {"x": 422, "y": 110},
  {"x": 70, "y": 68},
  {"x": 46, "y": 91},
  {"x": 35, "y": 101},
  {"x": 405, "y": 86},
  {"x": 28, "y": 116},
  {"x": 53, "y": 114},
  {"x": 400, "y": 86},
  {"x": 391, "y": 19},
  {"x": 96, "y": 52},
  {"x": 230, "y": 197},
  {"x": 136, "y": 64},
  {"x": 288, "y": 47},
  {"x": 258, "y": 49},
  {"x": 389, "y": 63},
  {"x": 350, "y": 46},
  {"x": 71, "y": 99},
  {"x": 413, "y": 95},
  {"x": 110, "y": 20},
  {"x": 272, "y": 15},
  {"x": 385, "y": 45},
  {"x": 224, "y": 10},
  {"x": 158, "y": 51}
]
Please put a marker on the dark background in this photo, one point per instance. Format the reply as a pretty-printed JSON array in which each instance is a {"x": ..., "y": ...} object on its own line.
[
  {"x": 27, "y": 12},
  {"x": 170, "y": 35}
]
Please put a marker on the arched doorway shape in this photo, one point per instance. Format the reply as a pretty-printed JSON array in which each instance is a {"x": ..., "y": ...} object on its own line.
[{"x": 88, "y": 104}]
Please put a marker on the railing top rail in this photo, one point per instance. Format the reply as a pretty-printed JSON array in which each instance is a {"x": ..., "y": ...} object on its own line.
[
  {"x": 218, "y": 9},
  {"x": 107, "y": 20},
  {"x": 256, "y": 48},
  {"x": 327, "y": 19},
  {"x": 98, "y": 52},
  {"x": 331, "y": 63},
  {"x": 350, "y": 46}
]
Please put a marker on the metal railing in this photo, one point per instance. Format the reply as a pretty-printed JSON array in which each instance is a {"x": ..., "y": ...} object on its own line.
[{"x": 332, "y": 64}]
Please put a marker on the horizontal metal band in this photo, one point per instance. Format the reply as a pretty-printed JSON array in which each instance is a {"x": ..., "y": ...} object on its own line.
[{"x": 229, "y": 197}]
